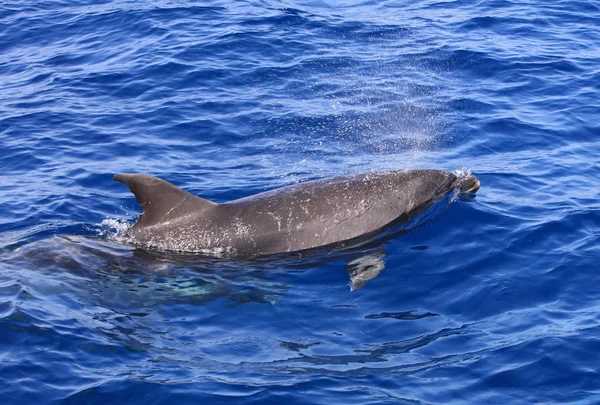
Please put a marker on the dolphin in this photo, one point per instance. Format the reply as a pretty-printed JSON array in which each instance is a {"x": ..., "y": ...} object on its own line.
[{"x": 289, "y": 219}]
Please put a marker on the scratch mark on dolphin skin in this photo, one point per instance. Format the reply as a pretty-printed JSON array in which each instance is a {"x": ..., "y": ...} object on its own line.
[
  {"x": 277, "y": 220},
  {"x": 172, "y": 209}
]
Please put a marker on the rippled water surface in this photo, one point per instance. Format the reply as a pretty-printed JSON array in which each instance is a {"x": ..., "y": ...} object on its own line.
[{"x": 493, "y": 300}]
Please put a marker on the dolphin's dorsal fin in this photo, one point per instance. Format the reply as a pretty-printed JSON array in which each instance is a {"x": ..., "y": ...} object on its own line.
[{"x": 159, "y": 199}]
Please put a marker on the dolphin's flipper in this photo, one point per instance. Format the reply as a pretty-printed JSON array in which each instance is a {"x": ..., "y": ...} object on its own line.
[
  {"x": 365, "y": 268},
  {"x": 159, "y": 199}
]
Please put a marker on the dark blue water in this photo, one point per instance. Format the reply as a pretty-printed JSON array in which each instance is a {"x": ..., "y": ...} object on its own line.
[{"x": 495, "y": 300}]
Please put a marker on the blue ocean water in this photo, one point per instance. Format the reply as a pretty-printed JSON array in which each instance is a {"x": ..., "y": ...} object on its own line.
[{"x": 494, "y": 300}]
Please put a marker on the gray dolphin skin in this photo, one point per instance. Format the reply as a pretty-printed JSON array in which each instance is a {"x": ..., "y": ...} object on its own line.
[{"x": 289, "y": 219}]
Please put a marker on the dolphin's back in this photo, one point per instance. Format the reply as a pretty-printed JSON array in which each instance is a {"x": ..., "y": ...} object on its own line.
[
  {"x": 293, "y": 218},
  {"x": 323, "y": 212}
]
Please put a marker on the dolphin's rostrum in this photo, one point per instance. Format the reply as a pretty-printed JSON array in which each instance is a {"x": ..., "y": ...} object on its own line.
[{"x": 294, "y": 218}]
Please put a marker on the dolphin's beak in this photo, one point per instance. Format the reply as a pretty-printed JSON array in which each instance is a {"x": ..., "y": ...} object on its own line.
[
  {"x": 468, "y": 184},
  {"x": 473, "y": 188}
]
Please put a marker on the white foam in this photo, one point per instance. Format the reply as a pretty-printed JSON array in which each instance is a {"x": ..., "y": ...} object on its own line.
[
  {"x": 114, "y": 229},
  {"x": 465, "y": 171}
]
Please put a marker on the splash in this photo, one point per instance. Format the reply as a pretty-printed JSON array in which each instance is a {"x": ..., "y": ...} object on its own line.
[
  {"x": 114, "y": 229},
  {"x": 462, "y": 172},
  {"x": 456, "y": 193}
]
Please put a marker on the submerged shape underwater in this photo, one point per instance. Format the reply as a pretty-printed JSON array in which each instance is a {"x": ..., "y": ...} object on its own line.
[{"x": 491, "y": 299}]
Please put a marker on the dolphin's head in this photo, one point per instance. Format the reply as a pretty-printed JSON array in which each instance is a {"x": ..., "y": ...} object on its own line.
[{"x": 467, "y": 183}]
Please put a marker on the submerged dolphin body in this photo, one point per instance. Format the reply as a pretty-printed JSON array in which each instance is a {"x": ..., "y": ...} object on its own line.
[{"x": 288, "y": 219}]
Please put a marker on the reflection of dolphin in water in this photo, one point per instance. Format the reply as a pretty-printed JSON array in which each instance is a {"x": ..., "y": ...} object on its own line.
[
  {"x": 365, "y": 268},
  {"x": 293, "y": 218}
]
